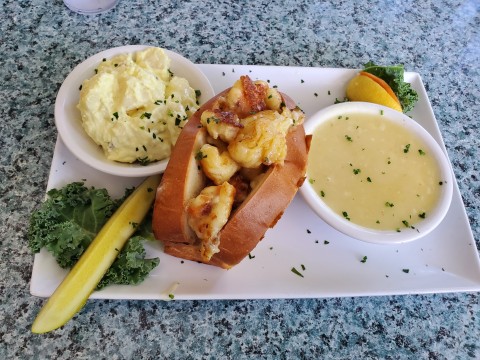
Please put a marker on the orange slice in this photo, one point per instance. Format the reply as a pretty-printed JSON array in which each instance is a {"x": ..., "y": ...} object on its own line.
[{"x": 370, "y": 88}]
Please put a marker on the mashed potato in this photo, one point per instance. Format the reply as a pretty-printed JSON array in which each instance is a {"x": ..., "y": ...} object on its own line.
[{"x": 134, "y": 107}]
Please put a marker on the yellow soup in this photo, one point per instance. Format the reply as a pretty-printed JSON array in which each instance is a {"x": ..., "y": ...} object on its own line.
[{"x": 373, "y": 172}]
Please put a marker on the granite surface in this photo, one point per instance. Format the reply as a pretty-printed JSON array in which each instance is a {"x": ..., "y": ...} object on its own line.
[{"x": 41, "y": 42}]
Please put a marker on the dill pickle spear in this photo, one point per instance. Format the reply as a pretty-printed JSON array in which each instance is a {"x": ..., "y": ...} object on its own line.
[{"x": 72, "y": 294}]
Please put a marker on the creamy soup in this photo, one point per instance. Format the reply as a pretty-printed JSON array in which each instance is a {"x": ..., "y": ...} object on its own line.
[{"x": 373, "y": 172}]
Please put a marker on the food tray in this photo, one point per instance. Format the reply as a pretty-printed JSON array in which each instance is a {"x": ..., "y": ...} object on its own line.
[{"x": 330, "y": 263}]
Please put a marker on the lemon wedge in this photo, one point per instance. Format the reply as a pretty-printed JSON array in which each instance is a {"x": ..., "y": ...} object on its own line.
[
  {"x": 72, "y": 294},
  {"x": 365, "y": 88}
]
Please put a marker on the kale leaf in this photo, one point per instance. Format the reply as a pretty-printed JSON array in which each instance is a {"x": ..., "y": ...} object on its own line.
[
  {"x": 394, "y": 77},
  {"x": 130, "y": 267},
  {"x": 70, "y": 218}
]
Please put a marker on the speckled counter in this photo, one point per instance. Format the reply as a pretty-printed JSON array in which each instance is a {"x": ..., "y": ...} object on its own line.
[{"x": 42, "y": 41}]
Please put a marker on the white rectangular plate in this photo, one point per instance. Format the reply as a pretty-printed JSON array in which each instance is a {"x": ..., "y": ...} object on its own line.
[{"x": 446, "y": 260}]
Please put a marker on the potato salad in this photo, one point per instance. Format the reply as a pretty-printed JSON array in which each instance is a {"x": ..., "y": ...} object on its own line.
[{"x": 134, "y": 107}]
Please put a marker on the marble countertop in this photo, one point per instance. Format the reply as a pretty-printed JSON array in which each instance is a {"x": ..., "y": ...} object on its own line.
[{"x": 42, "y": 41}]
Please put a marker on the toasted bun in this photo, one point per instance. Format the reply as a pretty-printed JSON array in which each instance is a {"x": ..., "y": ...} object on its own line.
[{"x": 248, "y": 223}]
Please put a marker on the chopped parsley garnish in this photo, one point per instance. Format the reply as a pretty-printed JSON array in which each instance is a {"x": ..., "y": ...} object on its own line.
[
  {"x": 198, "y": 93},
  {"x": 146, "y": 115},
  {"x": 250, "y": 256},
  {"x": 369, "y": 179},
  {"x": 406, "y": 149},
  {"x": 115, "y": 114},
  {"x": 405, "y": 222},
  {"x": 406, "y": 271},
  {"x": 389, "y": 204},
  {"x": 143, "y": 161},
  {"x": 214, "y": 119},
  {"x": 200, "y": 156},
  {"x": 422, "y": 215},
  {"x": 296, "y": 272},
  {"x": 322, "y": 193},
  {"x": 421, "y": 152},
  {"x": 338, "y": 101},
  {"x": 357, "y": 171},
  {"x": 171, "y": 296},
  {"x": 364, "y": 260},
  {"x": 345, "y": 215},
  {"x": 326, "y": 242},
  {"x": 348, "y": 138}
]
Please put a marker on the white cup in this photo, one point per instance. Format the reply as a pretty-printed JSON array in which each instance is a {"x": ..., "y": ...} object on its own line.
[{"x": 90, "y": 7}]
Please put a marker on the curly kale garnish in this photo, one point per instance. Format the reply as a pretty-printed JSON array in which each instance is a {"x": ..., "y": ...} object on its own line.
[
  {"x": 130, "y": 267},
  {"x": 68, "y": 221},
  {"x": 394, "y": 77}
]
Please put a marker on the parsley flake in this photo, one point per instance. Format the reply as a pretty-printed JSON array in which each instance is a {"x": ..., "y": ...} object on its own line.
[{"x": 296, "y": 272}]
